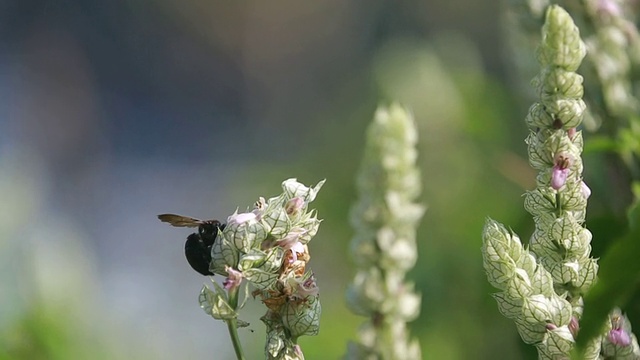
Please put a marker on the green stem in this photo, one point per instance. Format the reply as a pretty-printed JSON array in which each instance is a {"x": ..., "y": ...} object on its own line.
[{"x": 232, "y": 325}]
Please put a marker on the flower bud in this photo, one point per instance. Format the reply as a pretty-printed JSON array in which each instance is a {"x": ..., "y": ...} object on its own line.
[
  {"x": 292, "y": 188},
  {"x": 305, "y": 288},
  {"x": 294, "y": 206},
  {"x": 618, "y": 334},
  {"x": 233, "y": 280},
  {"x": 574, "y": 326},
  {"x": 292, "y": 242},
  {"x": 239, "y": 219},
  {"x": 558, "y": 177},
  {"x": 619, "y": 337}
]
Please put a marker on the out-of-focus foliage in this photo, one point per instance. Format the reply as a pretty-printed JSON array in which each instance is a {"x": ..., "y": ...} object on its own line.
[{"x": 617, "y": 280}]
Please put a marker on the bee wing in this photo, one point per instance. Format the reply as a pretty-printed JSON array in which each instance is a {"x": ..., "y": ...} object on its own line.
[{"x": 179, "y": 220}]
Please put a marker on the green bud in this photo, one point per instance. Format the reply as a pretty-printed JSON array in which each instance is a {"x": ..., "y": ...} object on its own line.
[
  {"x": 292, "y": 188},
  {"x": 552, "y": 81},
  {"x": 500, "y": 250},
  {"x": 569, "y": 112},
  {"x": 538, "y": 117},
  {"x": 254, "y": 258},
  {"x": 561, "y": 43}
]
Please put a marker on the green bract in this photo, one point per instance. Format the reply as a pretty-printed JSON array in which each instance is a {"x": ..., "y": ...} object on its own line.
[
  {"x": 303, "y": 317},
  {"x": 215, "y": 303}
]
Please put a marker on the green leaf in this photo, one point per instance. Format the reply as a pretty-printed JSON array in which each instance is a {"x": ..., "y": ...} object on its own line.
[
  {"x": 634, "y": 216},
  {"x": 618, "y": 278}
]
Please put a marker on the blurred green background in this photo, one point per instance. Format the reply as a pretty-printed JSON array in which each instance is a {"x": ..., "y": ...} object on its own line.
[{"x": 113, "y": 112}]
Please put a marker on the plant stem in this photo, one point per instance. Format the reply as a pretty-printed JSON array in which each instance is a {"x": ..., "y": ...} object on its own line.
[{"x": 232, "y": 325}]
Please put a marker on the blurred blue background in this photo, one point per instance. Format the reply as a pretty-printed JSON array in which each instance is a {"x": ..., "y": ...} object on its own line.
[{"x": 113, "y": 112}]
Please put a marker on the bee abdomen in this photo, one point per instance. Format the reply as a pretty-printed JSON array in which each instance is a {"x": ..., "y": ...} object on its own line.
[{"x": 198, "y": 254}]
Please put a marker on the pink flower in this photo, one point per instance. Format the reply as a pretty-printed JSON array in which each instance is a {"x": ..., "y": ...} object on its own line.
[
  {"x": 619, "y": 337},
  {"x": 294, "y": 205},
  {"x": 234, "y": 279},
  {"x": 574, "y": 326},
  {"x": 609, "y": 7},
  {"x": 239, "y": 219},
  {"x": 560, "y": 171},
  {"x": 291, "y": 242},
  {"x": 259, "y": 208},
  {"x": 558, "y": 177},
  {"x": 306, "y": 288}
]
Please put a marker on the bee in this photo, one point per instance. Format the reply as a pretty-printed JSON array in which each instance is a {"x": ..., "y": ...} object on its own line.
[{"x": 197, "y": 248}]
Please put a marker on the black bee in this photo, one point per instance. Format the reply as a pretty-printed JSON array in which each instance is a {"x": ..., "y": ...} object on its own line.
[{"x": 197, "y": 249}]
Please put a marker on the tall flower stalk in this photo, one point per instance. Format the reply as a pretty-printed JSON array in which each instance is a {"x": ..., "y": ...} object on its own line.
[
  {"x": 266, "y": 249},
  {"x": 385, "y": 219},
  {"x": 613, "y": 42},
  {"x": 614, "y": 50},
  {"x": 542, "y": 287},
  {"x": 613, "y": 46}
]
